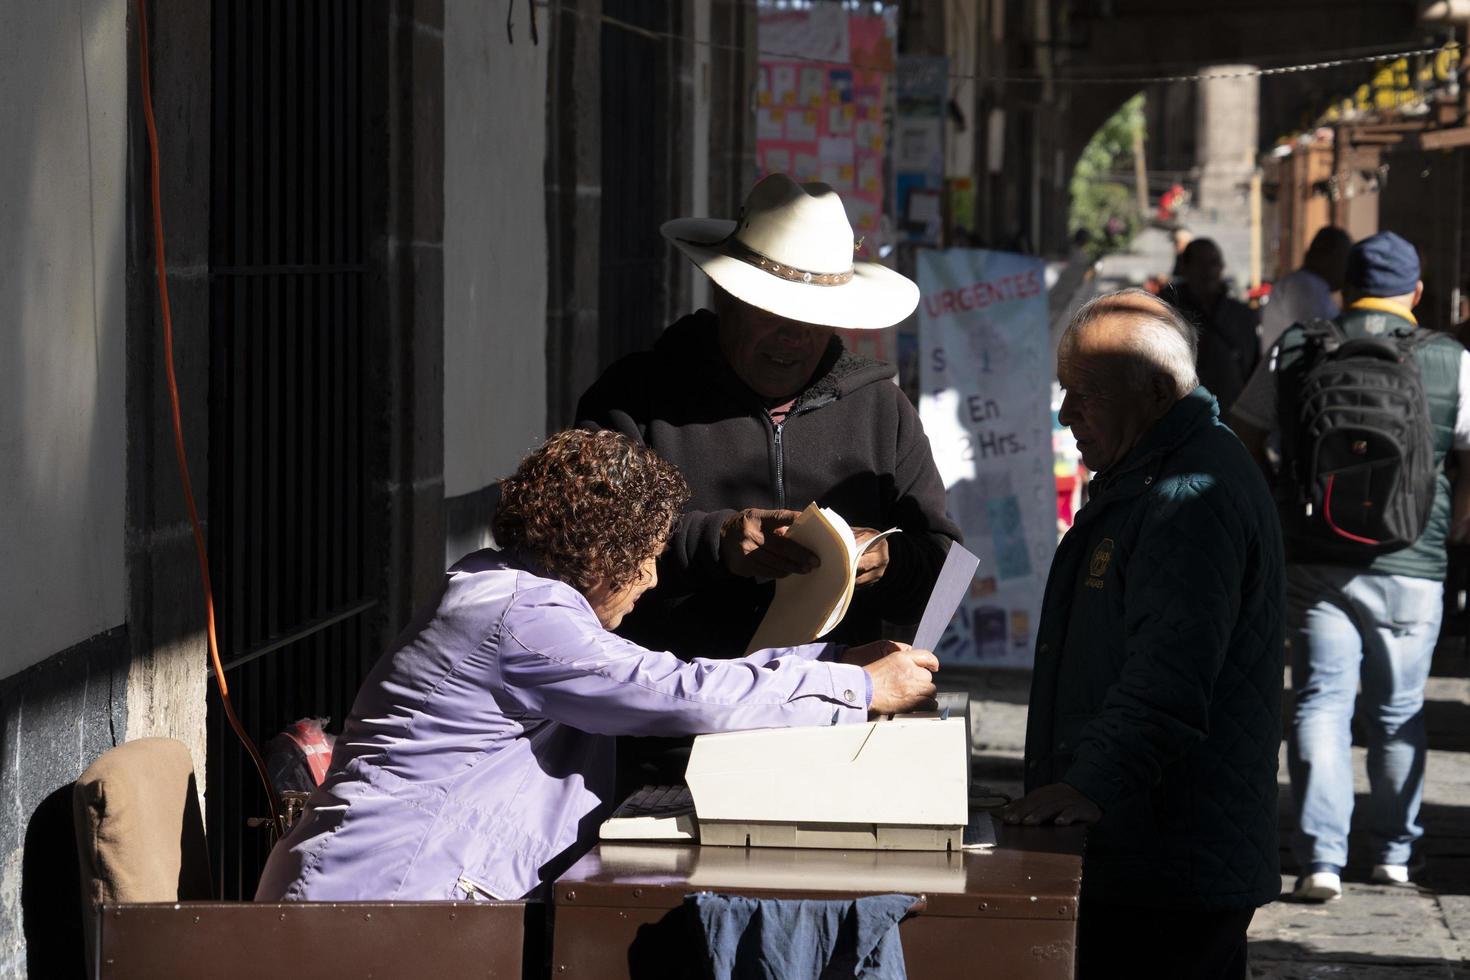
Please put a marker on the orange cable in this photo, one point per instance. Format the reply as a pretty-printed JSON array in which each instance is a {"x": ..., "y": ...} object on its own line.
[{"x": 173, "y": 395}]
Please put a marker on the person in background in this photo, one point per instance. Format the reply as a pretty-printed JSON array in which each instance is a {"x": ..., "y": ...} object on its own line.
[
  {"x": 1371, "y": 621},
  {"x": 1306, "y": 294},
  {"x": 764, "y": 411},
  {"x": 1181, "y": 237},
  {"x": 1229, "y": 344},
  {"x": 1156, "y": 693},
  {"x": 1159, "y": 281},
  {"x": 1171, "y": 202},
  {"x": 477, "y": 762}
]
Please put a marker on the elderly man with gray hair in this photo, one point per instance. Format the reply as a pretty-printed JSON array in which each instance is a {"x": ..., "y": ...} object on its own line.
[{"x": 1155, "y": 701}]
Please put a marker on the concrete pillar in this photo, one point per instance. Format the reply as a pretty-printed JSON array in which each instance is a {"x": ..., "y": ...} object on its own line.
[
  {"x": 411, "y": 414},
  {"x": 1229, "y": 133},
  {"x": 167, "y": 680},
  {"x": 733, "y": 66},
  {"x": 698, "y": 94},
  {"x": 962, "y": 46}
]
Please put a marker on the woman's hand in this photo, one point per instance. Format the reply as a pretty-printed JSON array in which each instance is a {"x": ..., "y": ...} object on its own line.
[
  {"x": 871, "y": 653},
  {"x": 903, "y": 678}
]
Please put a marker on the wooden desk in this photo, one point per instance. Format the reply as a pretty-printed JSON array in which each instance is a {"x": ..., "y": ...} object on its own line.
[
  {"x": 305, "y": 940},
  {"x": 1009, "y": 913}
]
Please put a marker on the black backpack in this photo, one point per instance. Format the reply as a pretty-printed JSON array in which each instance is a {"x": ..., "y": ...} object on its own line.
[{"x": 1357, "y": 442}]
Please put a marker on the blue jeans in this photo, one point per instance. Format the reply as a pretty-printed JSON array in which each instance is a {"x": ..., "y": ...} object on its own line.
[{"x": 1347, "y": 628}]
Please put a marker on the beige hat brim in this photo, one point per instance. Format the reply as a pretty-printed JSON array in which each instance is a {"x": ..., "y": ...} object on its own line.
[{"x": 875, "y": 297}]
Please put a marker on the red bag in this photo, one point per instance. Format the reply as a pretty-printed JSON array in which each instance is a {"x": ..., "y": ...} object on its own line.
[{"x": 300, "y": 755}]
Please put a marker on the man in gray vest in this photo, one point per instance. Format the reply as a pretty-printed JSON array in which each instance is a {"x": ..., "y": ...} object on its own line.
[{"x": 1372, "y": 620}]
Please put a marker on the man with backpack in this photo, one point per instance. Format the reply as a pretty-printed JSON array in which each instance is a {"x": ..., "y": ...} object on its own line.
[{"x": 1368, "y": 409}]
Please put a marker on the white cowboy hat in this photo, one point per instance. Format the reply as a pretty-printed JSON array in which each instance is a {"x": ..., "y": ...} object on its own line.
[{"x": 791, "y": 254}]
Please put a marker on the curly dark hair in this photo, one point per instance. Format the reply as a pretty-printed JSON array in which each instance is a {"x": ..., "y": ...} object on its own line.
[{"x": 590, "y": 507}]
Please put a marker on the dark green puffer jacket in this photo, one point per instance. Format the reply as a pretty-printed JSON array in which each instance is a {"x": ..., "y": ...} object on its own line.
[{"x": 1157, "y": 688}]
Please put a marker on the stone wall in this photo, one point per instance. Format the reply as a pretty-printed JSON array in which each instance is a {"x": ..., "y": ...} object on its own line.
[{"x": 63, "y": 355}]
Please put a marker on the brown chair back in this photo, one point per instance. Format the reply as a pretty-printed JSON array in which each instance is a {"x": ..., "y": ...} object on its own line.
[{"x": 140, "y": 834}]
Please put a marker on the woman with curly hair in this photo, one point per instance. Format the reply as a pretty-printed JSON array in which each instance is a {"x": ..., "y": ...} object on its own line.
[{"x": 478, "y": 759}]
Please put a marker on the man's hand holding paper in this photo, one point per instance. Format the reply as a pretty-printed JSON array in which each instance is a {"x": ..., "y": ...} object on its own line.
[
  {"x": 873, "y": 561},
  {"x": 808, "y": 605},
  {"x": 753, "y": 544}
]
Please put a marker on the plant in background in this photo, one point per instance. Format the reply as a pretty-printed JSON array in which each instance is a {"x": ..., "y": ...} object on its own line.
[{"x": 1102, "y": 206}]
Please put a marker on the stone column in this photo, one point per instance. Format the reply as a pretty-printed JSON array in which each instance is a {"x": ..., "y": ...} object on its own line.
[{"x": 1229, "y": 133}]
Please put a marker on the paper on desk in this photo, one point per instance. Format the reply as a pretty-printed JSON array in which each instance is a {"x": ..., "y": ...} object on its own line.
[
  {"x": 980, "y": 833},
  {"x": 949, "y": 591},
  {"x": 810, "y": 606}
]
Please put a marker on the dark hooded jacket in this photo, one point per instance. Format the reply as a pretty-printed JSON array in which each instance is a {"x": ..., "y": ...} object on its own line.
[{"x": 852, "y": 442}]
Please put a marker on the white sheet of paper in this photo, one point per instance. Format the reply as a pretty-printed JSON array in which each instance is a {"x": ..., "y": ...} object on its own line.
[{"x": 949, "y": 591}]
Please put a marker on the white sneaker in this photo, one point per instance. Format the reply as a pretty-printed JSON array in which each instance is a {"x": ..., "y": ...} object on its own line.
[
  {"x": 1390, "y": 874},
  {"x": 1319, "y": 886}
]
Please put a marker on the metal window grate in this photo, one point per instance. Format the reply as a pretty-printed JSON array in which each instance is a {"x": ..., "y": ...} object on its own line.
[{"x": 289, "y": 464}]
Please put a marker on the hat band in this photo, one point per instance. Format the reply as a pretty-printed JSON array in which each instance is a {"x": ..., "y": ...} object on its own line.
[{"x": 737, "y": 249}]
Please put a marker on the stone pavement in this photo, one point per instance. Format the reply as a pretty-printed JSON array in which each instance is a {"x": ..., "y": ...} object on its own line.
[{"x": 1374, "y": 932}]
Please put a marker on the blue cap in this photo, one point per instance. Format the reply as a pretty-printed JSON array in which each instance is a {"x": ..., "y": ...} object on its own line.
[{"x": 1383, "y": 265}]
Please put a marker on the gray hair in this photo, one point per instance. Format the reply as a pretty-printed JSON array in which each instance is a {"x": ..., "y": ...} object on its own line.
[{"x": 1162, "y": 340}]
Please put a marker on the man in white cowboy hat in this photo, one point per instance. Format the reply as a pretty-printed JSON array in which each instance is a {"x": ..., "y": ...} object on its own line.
[{"x": 764, "y": 411}]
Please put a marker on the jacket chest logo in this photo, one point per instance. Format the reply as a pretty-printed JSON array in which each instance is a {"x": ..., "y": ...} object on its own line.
[{"x": 1101, "y": 556}]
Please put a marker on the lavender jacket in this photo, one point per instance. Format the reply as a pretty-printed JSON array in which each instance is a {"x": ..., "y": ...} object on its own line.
[{"x": 478, "y": 760}]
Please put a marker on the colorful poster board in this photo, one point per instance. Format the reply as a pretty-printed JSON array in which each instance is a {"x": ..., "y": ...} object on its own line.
[
  {"x": 918, "y": 147},
  {"x": 822, "y": 120},
  {"x": 985, "y": 382}
]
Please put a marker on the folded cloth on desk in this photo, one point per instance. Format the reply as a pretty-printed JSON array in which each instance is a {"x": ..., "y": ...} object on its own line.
[{"x": 769, "y": 939}]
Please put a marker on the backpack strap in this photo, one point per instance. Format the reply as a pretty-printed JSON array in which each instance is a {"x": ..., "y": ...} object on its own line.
[
  {"x": 1316, "y": 335},
  {"x": 1420, "y": 337},
  {"x": 1328, "y": 332},
  {"x": 1408, "y": 343}
]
